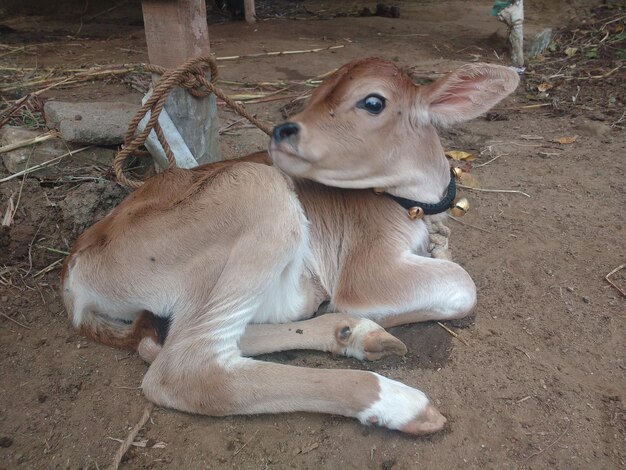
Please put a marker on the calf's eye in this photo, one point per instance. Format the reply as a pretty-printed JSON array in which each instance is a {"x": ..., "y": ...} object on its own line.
[{"x": 373, "y": 104}]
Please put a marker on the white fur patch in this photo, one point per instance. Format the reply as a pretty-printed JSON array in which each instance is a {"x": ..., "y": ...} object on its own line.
[{"x": 397, "y": 404}]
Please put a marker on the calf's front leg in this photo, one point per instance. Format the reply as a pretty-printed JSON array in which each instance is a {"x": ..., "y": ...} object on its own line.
[
  {"x": 226, "y": 384},
  {"x": 332, "y": 332},
  {"x": 405, "y": 288}
]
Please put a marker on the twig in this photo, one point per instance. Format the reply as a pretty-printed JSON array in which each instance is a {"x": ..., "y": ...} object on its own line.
[
  {"x": 550, "y": 445},
  {"x": 18, "y": 49},
  {"x": 30, "y": 249},
  {"x": 43, "y": 165},
  {"x": 228, "y": 126},
  {"x": 14, "y": 109},
  {"x": 25, "y": 143},
  {"x": 403, "y": 35},
  {"x": 119, "y": 455},
  {"x": 7, "y": 220},
  {"x": 37, "y": 82},
  {"x": 619, "y": 120},
  {"x": 453, "y": 333},
  {"x": 619, "y": 18},
  {"x": 530, "y": 106},
  {"x": 621, "y": 291},
  {"x": 48, "y": 268},
  {"x": 77, "y": 78},
  {"x": 54, "y": 250},
  {"x": 524, "y": 352},
  {"x": 246, "y": 443},
  {"x": 493, "y": 159},
  {"x": 24, "y": 101},
  {"x": 19, "y": 194},
  {"x": 278, "y": 53},
  {"x": 15, "y": 321},
  {"x": 470, "y": 225},
  {"x": 103, "y": 12},
  {"x": 595, "y": 77},
  {"x": 273, "y": 98},
  {"x": 494, "y": 190}
]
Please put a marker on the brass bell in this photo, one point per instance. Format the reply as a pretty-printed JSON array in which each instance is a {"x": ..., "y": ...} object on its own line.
[
  {"x": 457, "y": 172},
  {"x": 460, "y": 207},
  {"x": 416, "y": 212}
]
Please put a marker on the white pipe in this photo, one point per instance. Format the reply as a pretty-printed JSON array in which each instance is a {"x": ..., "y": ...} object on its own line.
[
  {"x": 513, "y": 16},
  {"x": 182, "y": 154}
]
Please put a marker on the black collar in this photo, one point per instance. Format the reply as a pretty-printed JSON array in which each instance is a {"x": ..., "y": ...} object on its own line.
[{"x": 419, "y": 209}]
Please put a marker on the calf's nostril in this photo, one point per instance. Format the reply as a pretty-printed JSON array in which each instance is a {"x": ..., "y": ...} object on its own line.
[{"x": 284, "y": 131}]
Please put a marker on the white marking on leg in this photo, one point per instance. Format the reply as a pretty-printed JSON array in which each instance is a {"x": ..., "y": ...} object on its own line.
[{"x": 396, "y": 406}]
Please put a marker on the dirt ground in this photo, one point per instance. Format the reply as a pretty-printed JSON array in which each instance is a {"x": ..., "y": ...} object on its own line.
[{"x": 540, "y": 380}]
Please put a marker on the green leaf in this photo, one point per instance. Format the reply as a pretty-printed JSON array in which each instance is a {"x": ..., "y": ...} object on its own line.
[{"x": 592, "y": 54}]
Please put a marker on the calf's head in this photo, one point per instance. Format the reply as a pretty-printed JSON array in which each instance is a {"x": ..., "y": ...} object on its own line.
[{"x": 368, "y": 125}]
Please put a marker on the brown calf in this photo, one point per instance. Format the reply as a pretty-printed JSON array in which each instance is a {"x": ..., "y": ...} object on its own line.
[{"x": 201, "y": 269}]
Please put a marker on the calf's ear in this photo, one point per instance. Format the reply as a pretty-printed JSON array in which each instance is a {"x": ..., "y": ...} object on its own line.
[{"x": 466, "y": 93}]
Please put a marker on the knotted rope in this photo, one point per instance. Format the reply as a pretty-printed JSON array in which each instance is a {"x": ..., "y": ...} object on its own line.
[
  {"x": 439, "y": 236},
  {"x": 192, "y": 77}
]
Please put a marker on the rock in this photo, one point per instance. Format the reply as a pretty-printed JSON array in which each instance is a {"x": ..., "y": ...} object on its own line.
[
  {"x": 593, "y": 129},
  {"x": 26, "y": 157},
  {"x": 100, "y": 156},
  {"x": 90, "y": 202},
  {"x": 99, "y": 123},
  {"x": 18, "y": 159},
  {"x": 541, "y": 42},
  {"x": 597, "y": 116},
  {"x": 5, "y": 441}
]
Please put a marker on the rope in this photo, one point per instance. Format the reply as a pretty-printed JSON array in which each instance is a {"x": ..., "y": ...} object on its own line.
[
  {"x": 119, "y": 455},
  {"x": 192, "y": 77},
  {"x": 439, "y": 236}
]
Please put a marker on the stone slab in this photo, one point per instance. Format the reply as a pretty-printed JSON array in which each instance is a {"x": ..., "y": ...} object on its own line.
[{"x": 98, "y": 123}]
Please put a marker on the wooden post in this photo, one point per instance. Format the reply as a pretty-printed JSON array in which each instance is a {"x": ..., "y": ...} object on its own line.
[
  {"x": 249, "y": 11},
  {"x": 177, "y": 30}
]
